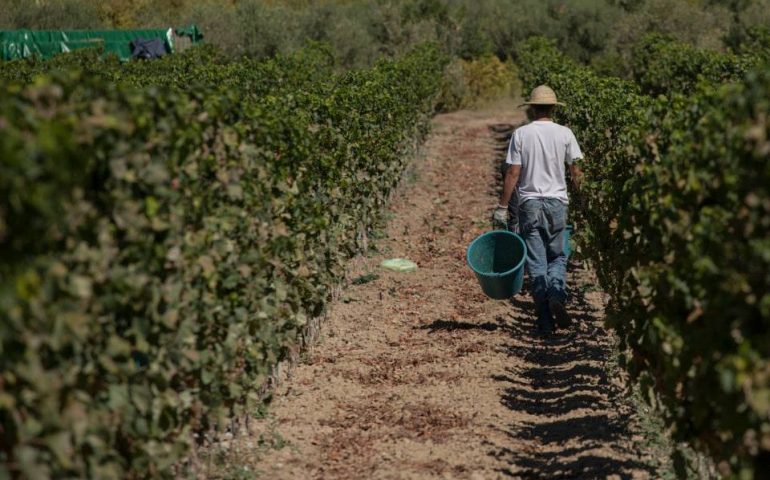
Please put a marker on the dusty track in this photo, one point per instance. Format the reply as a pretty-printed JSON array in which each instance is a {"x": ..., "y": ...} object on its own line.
[{"x": 418, "y": 375}]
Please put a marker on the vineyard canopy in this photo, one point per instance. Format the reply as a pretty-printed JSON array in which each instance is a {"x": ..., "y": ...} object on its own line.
[{"x": 17, "y": 44}]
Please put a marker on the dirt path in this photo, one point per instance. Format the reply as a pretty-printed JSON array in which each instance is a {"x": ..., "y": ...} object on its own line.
[{"x": 418, "y": 375}]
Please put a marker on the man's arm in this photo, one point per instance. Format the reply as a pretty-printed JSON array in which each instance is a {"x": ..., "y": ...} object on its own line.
[
  {"x": 509, "y": 185},
  {"x": 500, "y": 216},
  {"x": 576, "y": 174}
]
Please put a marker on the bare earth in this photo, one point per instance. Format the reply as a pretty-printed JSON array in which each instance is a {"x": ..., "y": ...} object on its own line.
[{"x": 419, "y": 375}]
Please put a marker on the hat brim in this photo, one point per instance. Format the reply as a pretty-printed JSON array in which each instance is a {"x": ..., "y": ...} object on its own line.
[{"x": 526, "y": 104}]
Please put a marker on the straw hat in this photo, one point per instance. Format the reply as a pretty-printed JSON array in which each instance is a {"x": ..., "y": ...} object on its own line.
[{"x": 542, "y": 95}]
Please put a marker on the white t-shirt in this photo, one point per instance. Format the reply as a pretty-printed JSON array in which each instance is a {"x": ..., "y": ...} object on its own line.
[{"x": 542, "y": 148}]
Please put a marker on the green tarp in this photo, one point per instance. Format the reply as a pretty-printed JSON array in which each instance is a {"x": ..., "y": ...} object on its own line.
[{"x": 17, "y": 44}]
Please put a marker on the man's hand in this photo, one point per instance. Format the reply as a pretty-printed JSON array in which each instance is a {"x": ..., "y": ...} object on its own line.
[
  {"x": 509, "y": 185},
  {"x": 500, "y": 218}
]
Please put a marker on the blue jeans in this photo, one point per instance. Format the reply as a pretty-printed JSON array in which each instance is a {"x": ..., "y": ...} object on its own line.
[{"x": 541, "y": 225}]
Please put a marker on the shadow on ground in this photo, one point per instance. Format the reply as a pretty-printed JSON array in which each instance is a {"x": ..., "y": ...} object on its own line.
[
  {"x": 453, "y": 325},
  {"x": 581, "y": 426}
]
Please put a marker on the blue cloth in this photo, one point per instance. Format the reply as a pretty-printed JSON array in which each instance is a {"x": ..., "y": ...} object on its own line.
[
  {"x": 542, "y": 222},
  {"x": 148, "y": 48}
]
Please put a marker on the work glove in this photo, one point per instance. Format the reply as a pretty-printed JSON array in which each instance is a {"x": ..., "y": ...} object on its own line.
[{"x": 500, "y": 218}]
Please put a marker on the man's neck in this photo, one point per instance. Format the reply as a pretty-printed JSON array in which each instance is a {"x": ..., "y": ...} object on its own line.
[{"x": 543, "y": 119}]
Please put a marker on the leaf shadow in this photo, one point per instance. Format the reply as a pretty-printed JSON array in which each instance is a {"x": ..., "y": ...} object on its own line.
[{"x": 576, "y": 424}]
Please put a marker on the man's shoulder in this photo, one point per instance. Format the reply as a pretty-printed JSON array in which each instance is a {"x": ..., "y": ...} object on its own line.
[
  {"x": 563, "y": 130},
  {"x": 534, "y": 126},
  {"x": 560, "y": 127},
  {"x": 525, "y": 128}
]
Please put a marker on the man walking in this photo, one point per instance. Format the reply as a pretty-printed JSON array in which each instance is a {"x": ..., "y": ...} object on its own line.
[{"x": 536, "y": 157}]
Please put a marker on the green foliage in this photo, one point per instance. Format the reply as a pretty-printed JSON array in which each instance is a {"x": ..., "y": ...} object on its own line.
[
  {"x": 676, "y": 212},
  {"x": 755, "y": 42},
  {"x": 166, "y": 230},
  {"x": 203, "y": 66},
  {"x": 662, "y": 66},
  {"x": 52, "y": 14},
  {"x": 471, "y": 83},
  {"x": 360, "y": 31}
]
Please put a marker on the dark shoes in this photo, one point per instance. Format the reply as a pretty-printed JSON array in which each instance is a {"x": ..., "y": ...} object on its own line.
[
  {"x": 544, "y": 329},
  {"x": 554, "y": 311},
  {"x": 559, "y": 312}
]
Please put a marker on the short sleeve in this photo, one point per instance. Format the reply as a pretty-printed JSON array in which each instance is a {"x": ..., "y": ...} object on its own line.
[
  {"x": 514, "y": 150},
  {"x": 573, "y": 149}
]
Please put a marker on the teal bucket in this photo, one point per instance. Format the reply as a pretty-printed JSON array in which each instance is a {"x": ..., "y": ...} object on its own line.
[
  {"x": 567, "y": 235},
  {"x": 497, "y": 258}
]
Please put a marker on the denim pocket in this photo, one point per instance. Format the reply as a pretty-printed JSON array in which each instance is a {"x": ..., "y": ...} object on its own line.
[
  {"x": 556, "y": 211},
  {"x": 528, "y": 213}
]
